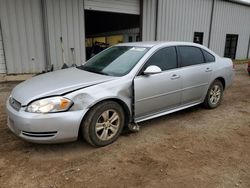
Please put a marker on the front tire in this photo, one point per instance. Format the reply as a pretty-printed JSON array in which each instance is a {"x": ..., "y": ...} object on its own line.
[
  {"x": 214, "y": 95},
  {"x": 103, "y": 124}
]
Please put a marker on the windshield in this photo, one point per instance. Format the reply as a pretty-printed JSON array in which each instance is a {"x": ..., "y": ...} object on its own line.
[{"x": 115, "y": 61}]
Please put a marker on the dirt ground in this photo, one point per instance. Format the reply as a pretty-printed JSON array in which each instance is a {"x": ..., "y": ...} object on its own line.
[{"x": 192, "y": 148}]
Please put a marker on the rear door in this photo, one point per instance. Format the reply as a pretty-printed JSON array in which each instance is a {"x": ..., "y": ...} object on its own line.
[
  {"x": 196, "y": 73},
  {"x": 158, "y": 92}
]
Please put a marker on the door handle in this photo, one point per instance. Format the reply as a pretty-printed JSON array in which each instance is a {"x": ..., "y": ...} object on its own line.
[
  {"x": 208, "y": 70},
  {"x": 174, "y": 76}
]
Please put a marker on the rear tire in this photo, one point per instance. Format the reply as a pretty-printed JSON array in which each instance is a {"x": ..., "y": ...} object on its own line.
[
  {"x": 214, "y": 95},
  {"x": 103, "y": 124}
]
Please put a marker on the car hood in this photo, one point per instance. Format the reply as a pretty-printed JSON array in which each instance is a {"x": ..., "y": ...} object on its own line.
[{"x": 56, "y": 83}]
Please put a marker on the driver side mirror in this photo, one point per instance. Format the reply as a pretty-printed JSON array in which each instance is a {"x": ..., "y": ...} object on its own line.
[{"x": 152, "y": 69}]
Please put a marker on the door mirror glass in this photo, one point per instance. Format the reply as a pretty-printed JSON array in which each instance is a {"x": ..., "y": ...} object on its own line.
[{"x": 152, "y": 69}]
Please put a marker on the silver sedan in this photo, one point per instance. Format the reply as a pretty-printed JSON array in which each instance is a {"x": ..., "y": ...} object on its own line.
[{"x": 125, "y": 84}]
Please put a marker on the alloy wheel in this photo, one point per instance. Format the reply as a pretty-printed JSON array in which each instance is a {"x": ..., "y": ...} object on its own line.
[
  {"x": 107, "y": 125},
  {"x": 215, "y": 94}
]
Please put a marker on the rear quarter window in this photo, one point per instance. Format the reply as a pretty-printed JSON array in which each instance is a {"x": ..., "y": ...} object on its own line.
[
  {"x": 208, "y": 57},
  {"x": 190, "y": 55}
]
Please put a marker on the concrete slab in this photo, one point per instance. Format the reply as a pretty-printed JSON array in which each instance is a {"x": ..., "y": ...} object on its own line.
[{"x": 14, "y": 78}]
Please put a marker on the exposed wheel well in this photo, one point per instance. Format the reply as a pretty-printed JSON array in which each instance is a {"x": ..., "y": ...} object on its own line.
[
  {"x": 222, "y": 80},
  {"x": 120, "y": 102},
  {"x": 125, "y": 108}
]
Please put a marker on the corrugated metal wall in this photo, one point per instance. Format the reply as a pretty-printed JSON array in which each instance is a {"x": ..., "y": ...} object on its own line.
[
  {"x": 65, "y": 18},
  {"x": 249, "y": 48},
  {"x": 22, "y": 31},
  {"x": 149, "y": 20},
  {"x": 125, "y": 6},
  {"x": 178, "y": 20},
  {"x": 2, "y": 57},
  {"x": 230, "y": 18}
]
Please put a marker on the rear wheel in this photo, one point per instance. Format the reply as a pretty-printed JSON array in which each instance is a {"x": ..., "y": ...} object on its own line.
[
  {"x": 103, "y": 124},
  {"x": 214, "y": 95}
]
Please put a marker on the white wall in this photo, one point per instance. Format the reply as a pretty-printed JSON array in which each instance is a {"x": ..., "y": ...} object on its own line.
[
  {"x": 65, "y": 18},
  {"x": 230, "y": 18},
  {"x": 22, "y": 30},
  {"x": 2, "y": 58},
  {"x": 178, "y": 20},
  {"x": 149, "y": 20}
]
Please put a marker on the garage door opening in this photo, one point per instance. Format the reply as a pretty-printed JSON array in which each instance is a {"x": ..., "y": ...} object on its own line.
[{"x": 104, "y": 29}]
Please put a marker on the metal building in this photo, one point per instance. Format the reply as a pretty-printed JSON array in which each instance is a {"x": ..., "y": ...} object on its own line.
[
  {"x": 213, "y": 21},
  {"x": 37, "y": 33}
]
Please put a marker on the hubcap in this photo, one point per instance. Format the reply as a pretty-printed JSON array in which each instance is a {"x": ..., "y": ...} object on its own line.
[
  {"x": 107, "y": 125},
  {"x": 215, "y": 94}
]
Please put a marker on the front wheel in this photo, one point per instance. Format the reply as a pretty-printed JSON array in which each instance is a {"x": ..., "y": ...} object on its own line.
[
  {"x": 214, "y": 95},
  {"x": 103, "y": 124}
]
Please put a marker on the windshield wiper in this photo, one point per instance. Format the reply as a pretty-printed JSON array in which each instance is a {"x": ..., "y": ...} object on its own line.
[
  {"x": 103, "y": 73},
  {"x": 92, "y": 70}
]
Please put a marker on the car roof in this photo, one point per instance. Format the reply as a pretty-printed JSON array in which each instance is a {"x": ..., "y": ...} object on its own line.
[
  {"x": 159, "y": 44},
  {"x": 151, "y": 44}
]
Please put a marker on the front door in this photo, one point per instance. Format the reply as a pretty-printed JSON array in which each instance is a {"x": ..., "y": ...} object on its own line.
[{"x": 157, "y": 93}]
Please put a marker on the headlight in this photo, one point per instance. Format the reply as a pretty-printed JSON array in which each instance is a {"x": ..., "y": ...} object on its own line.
[{"x": 47, "y": 105}]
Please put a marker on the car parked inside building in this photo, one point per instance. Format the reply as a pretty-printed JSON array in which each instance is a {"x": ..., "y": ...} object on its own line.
[{"x": 126, "y": 83}]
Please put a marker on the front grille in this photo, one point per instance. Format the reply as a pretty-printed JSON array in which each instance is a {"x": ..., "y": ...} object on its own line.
[
  {"x": 15, "y": 104},
  {"x": 39, "y": 134}
]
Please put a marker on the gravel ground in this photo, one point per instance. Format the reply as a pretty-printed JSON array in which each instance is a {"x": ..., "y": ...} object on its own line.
[{"x": 191, "y": 148}]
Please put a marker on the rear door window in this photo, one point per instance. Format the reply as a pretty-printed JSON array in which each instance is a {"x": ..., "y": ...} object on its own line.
[{"x": 190, "y": 55}]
